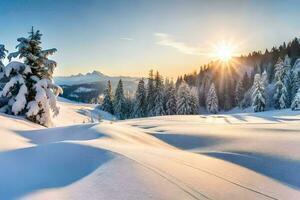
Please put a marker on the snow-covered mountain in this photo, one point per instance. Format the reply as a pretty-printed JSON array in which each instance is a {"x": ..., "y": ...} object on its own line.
[{"x": 94, "y": 76}]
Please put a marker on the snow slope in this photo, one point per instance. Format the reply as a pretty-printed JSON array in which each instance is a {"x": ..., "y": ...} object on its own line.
[
  {"x": 233, "y": 156},
  {"x": 77, "y": 113}
]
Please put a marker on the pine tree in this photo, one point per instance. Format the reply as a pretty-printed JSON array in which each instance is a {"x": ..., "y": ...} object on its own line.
[
  {"x": 184, "y": 100},
  {"x": 129, "y": 107},
  {"x": 158, "y": 96},
  {"x": 3, "y": 52},
  {"x": 281, "y": 93},
  {"x": 170, "y": 99},
  {"x": 31, "y": 83},
  {"x": 246, "y": 81},
  {"x": 258, "y": 95},
  {"x": 140, "y": 107},
  {"x": 296, "y": 101},
  {"x": 194, "y": 100},
  {"x": 212, "y": 104},
  {"x": 264, "y": 78},
  {"x": 288, "y": 80},
  {"x": 107, "y": 104},
  {"x": 120, "y": 102},
  {"x": 283, "y": 98},
  {"x": 150, "y": 94},
  {"x": 296, "y": 77},
  {"x": 239, "y": 93}
]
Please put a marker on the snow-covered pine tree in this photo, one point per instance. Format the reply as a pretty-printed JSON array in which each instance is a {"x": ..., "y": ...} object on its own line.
[
  {"x": 258, "y": 95},
  {"x": 140, "y": 106},
  {"x": 239, "y": 93},
  {"x": 194, "y": 100},
  {"x": 264, "y": 78},
  {"x": 296, "y": 101},
  {"x": 166, "y": 87},
  {"x": 150, "y": 94},
  {"x": 283, "y": 97},
  {"x": 212, "y": 104},
  {"x": 184, "y": 100},
  {"x": 129, "y": 106},
  {"x": 30, "y": 86},
  {"x": 288, "y": 80},
  {"x": 107, "y": 104},
  {"x": 170, "y": 98},
  {"x": 120, "y": 102},
  {"x": 159, "y": 96},
  {"x": 296, "y": 77},
  {"x": 15, "y": 89},
  {"x": 280, "y": 95},
  {"x": 3, "y": 52}
]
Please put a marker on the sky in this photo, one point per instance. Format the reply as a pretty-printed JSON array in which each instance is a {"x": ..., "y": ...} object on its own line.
[{"x": 129, "y": 37}]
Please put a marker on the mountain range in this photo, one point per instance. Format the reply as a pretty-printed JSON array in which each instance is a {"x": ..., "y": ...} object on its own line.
[{"x": 88, "y": 87}]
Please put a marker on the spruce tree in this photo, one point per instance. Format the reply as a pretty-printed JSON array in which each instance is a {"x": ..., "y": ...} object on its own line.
[
  {"x": 3, "y": 52},
  {"x": 184, "y": 100},
  {"x": 212, "y": 103},
  {"x": 296, "y": 101},
  {"x": 283, "y": 98},
  {"x": 158, "y": 96},
  {"x": 31, "y": 82},
  {"x": 150, "y": 94},
  {"x": 171, "y": 104},
  {"x": 279, "y": 75},
  {"x": 129, "y": 107},
  {"x": 246, "y": 81},
  {"x": 239, "y": 93},
  {"x": 120, "y": 102},
  {"x": 264, "y": 78},
  {"x": 288, "y": 80},
  {"x": 296, "y": 77},
  {"x": 258, "y": 95},
  {"x": 107, "y": 104},
  {"x": 140, "y": 106},
  {"x": 194, "y": 100}
]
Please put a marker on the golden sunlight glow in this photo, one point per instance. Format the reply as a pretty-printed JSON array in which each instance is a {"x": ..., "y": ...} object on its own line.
[{"x": 224, "y": 52}]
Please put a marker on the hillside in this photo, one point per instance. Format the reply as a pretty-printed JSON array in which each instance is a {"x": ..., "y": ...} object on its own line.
[{"x": 233, "y": 156}]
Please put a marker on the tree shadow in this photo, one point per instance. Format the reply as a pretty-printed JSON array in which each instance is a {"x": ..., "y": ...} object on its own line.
[
  {"x": 76, "y": 132},
  {"x": 281, "y": 169},
  {"x": 53, "y": 165},
  {"x": 189, "y": 142},
  {"x": 278, "y": 116}
]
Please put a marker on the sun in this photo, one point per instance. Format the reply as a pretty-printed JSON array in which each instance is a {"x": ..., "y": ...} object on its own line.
[{"x": 224, "y": 52}]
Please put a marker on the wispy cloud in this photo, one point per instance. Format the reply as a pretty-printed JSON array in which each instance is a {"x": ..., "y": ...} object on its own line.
[
  {"x": 126, "y": 38},
  {"x": 167, "y": 40}
]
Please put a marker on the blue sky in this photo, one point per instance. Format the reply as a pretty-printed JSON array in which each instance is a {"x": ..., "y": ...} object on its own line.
[{"x": 128, "y": 37}]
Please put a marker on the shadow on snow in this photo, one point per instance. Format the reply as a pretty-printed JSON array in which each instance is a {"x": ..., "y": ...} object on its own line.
[
  {"x": 53, "y": 165},
  {"x": 280, "y": 169},
  {"x": 76, "y": 132}
]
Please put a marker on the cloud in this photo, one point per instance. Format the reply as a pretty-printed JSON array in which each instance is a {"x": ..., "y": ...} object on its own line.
[
  {"x": 167, "y": 40},
  {"x": 127, "y": 39}
]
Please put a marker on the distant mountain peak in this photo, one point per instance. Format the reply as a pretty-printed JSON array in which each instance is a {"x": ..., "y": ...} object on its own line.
[
  {"x": 94, "y": 76},
  {"x": 98, "y": 73}
]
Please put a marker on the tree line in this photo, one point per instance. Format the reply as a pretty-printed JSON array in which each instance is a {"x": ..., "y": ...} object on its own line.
[
  {"x": 263, "y": 81},
  {"x": 156, "y": 97}
]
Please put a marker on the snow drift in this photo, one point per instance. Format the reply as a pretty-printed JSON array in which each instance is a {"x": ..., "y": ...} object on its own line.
[{"x": 233, "y": 156}]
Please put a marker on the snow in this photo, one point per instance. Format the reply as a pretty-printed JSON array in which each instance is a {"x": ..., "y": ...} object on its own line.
[
  {"x": 16, "y": 66},
  {"x": 226, "y": 156}
]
